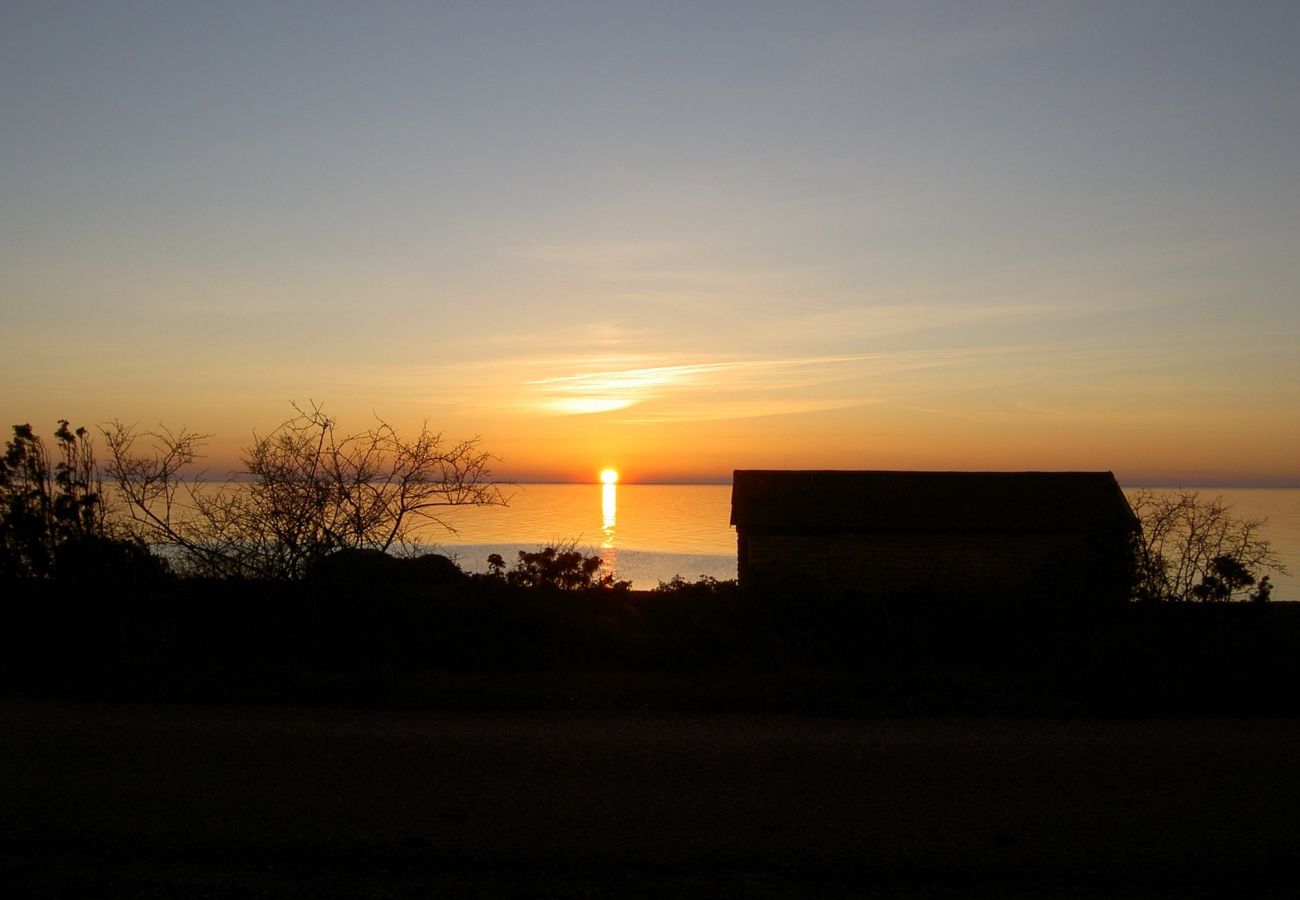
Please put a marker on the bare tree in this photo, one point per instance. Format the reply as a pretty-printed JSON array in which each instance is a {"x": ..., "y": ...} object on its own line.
[
  {"x": 311, "y": 490},
  {"x": 1194, "y": 549}
]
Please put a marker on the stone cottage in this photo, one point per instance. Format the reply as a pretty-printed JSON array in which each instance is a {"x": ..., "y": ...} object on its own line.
[{"x": 1059, "y": 534}]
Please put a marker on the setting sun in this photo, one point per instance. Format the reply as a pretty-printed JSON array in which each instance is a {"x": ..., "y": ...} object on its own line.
[{"x": 609, "y": 476}]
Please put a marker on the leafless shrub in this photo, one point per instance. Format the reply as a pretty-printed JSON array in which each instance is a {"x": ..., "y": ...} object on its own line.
[
  {"x": 312, "y": 490},
  {"x": 1194, "y": 549}
]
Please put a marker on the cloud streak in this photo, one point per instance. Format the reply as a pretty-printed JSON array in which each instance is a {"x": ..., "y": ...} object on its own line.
[{"x": 702, "y": 390}]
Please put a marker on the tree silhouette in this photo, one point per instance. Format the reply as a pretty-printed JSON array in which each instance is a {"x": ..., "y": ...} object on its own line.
[
  {"x": 313, "y": 491},
  {"x": 1195, "y": 550},
  {"x": 47, "y": 501}
]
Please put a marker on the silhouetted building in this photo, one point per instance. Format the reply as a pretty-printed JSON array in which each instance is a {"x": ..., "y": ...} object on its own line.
[{"x": 1059, "y": 534}]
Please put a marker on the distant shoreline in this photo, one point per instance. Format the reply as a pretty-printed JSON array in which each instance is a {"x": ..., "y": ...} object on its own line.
[{"x": 234, "y": 478}]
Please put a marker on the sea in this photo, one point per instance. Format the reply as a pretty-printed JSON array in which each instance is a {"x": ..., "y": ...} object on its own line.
[
  {"x": 645, "y": 533},
  {"x": 650, "y": 533}
]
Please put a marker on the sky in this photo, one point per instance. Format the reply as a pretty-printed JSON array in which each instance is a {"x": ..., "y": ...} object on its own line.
[{"x": 673, "y": 238}]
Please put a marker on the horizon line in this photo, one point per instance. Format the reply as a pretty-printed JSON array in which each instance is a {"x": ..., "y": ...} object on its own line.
[{"x": 720, "y": 482}]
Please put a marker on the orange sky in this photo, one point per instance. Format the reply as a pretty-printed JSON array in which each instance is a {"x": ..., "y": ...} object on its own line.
[{"x": 674, "y": 240}]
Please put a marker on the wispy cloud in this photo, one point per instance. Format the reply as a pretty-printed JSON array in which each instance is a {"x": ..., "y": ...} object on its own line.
[
  {"x": 638, "y": 387},
  {"x": 609, "y": 390},
  {"x": 906, "y": 316},
  {"x": 622, "y": 374},
  {"x": 723, "y": 389}
]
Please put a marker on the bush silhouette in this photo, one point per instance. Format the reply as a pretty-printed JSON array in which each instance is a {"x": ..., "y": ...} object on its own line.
[
  {"x": 556, "y": 568},
  {"x": 53, "y": 520}
]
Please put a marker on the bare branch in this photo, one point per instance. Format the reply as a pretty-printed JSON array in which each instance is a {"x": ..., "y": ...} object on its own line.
[
  {"x": 1194, "y": 549},
  {"x": 313, "y": 491}
]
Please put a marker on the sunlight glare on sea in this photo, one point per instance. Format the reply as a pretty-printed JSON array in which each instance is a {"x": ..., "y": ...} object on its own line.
[{"x": 645, "y": 532}]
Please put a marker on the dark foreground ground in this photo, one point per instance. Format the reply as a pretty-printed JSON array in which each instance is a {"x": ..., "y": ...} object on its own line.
[{"x": 100, "y": 799}]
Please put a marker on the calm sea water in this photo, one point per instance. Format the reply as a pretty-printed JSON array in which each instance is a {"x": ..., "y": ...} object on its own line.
[
  {"x": 649, "y": 532},
  {"x": 646, "y": 533}
]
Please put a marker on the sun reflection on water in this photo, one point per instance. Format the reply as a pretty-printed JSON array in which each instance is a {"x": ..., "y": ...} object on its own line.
[{"x": 608, "y": 512}]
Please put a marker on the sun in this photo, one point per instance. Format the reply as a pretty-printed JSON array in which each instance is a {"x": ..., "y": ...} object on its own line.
[{"x": 609, "y": 476}]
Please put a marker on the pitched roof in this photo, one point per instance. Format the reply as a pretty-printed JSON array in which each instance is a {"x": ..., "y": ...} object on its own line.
[{"x": 806, "y": 502}]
